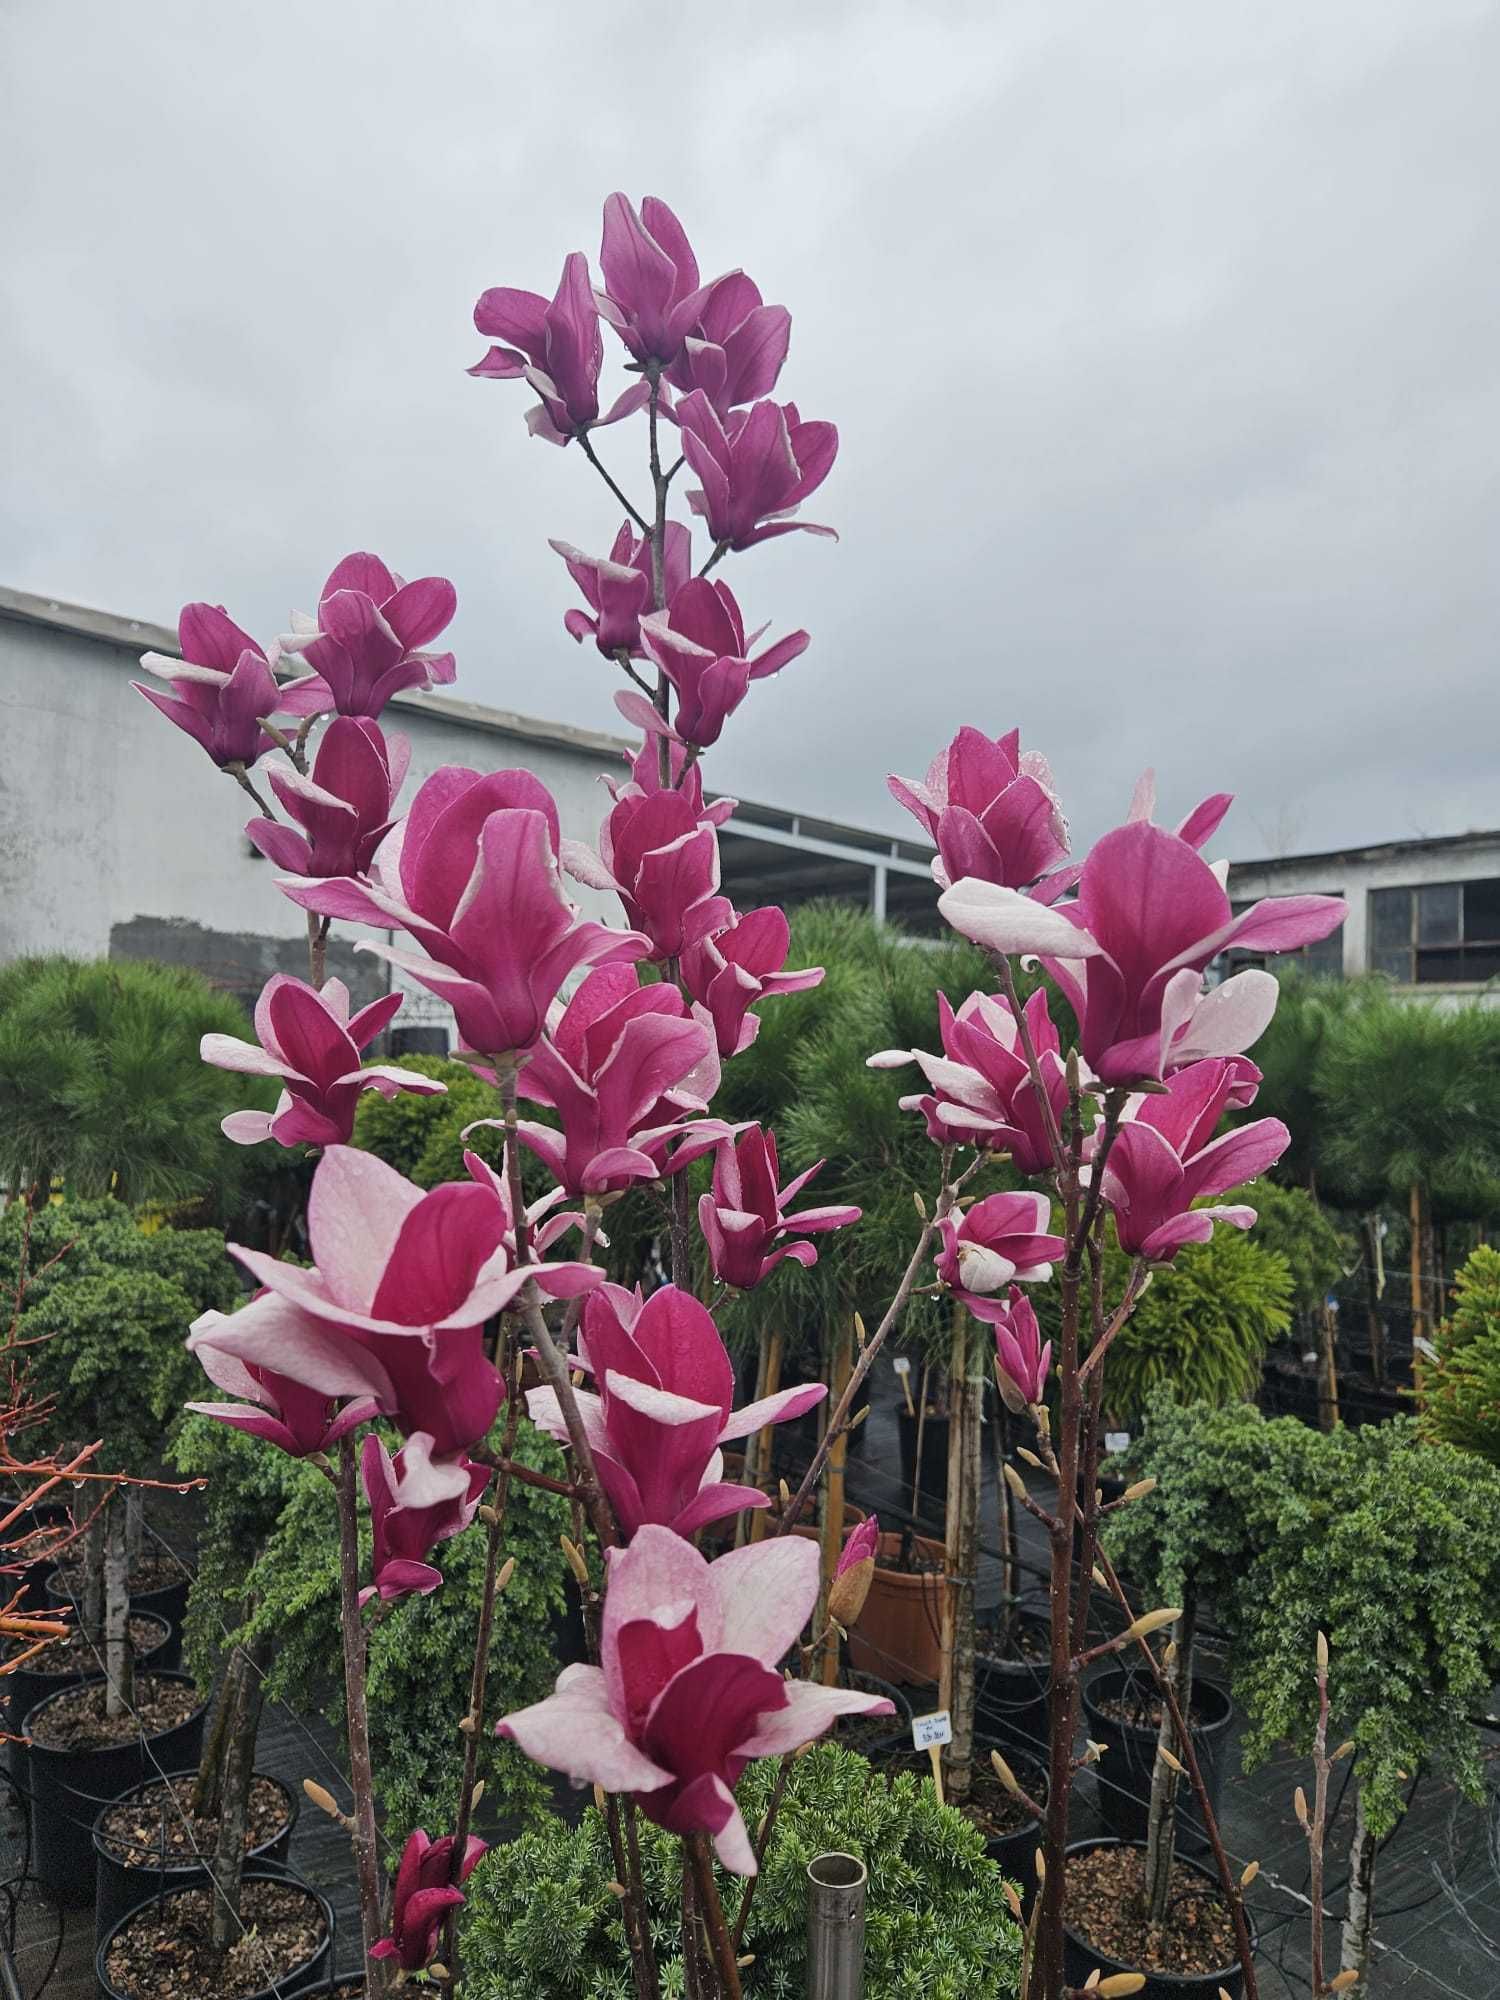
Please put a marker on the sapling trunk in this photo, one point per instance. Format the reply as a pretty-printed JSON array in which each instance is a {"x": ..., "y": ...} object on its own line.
[
  {"x": 204, "y": 1797},
  {"x": 965, "y": 1415},
  {"x": 119, "y": 1656},
  {"x": 242, "y": 1721},
  {"x": 921, "y": 1431},
  {"x": 135, "y": 1521},
  {"x": 1359, "y": 1913},
  {"x": 1161, "y": 1828},
  {"x": 91, "y": 1598},
  {"x": 841, "y": 1363}
]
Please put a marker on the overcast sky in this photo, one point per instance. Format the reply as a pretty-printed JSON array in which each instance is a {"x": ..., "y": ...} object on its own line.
[{"x": 1163, "y": 341}]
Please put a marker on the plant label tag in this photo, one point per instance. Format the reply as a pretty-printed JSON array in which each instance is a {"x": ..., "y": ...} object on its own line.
[
  {"x": 901, "y": 1365},
  {"x": 929, "y": 1731},
  {"x": 1116, "y": 1441}
]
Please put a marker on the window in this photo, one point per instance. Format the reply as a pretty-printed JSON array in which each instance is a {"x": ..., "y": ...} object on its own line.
[
  {"x": 1325, "y": 959},
  {"x": 1441, "y": 934}
]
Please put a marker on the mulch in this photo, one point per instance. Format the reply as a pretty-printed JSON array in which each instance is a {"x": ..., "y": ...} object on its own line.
[
  {"x": 76, "y": 1719},
  {"x": 147, "y": 1573},
  {"x": 155, "y": 1823},
  {"x": 165, "y": 1951},
  {"x": 1105, "y": 1906}
]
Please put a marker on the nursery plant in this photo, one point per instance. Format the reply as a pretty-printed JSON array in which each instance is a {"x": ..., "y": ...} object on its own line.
[
  {"x": 1459, "y": 1383},
  {"x": 420, "y": 1311}
]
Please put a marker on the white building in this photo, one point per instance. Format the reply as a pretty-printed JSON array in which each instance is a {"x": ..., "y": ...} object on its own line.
[{"x": 118, "y": 837}]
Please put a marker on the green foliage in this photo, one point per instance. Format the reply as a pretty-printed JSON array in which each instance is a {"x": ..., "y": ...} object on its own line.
[
  {"x": 1410, "y": 1095},
  {"x": 110, "y": 1362},
  {"x": 1459, "y": 1392},
  {"x": 101, "y": 1083},
  {"x": 540, "y": 1919},
  {"x": 1388, "y": 1544},
  {"x": 421, "y": 1137},
  {"x": 1311, "y": 1013},
  {"x": 271, "y": 1536},
  {"x": 1290, "y": 1223}
]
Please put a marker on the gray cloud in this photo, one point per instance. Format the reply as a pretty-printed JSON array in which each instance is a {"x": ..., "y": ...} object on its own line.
[{"x": 1162, "y": 341}]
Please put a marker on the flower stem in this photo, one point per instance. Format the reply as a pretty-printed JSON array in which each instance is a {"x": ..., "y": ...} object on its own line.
[
  {"x": 712, "y": 1912},
  {"x": 598, "y": 464}
]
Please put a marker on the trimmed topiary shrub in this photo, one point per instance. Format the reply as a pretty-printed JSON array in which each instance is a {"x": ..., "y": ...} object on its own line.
[{"x": 541, "y": 1920}]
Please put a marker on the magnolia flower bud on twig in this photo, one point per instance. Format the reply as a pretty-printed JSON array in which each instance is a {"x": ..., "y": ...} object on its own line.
[
  {"x": 1299, "y": 1806},
  {"x": 1172, "y": 1762},
  {"x": 1120, "y": 1984},
  {"x": 507, "y": 1571},
  {"x": 1151, "y": 1621},
  {"x": 322, "y": 1798},
  {"x": 1029, "y": 1456},
  {"x": 1322, "y": 1652},
  {"x": 921, "y": 1205},
  {"x": 1251, "y": 1870},
  {"x": 1343, "y": 1981},
  {"x": 576, "y": 1562},
  {"x": 1139, "y": 1490},
  {"x": 1015, "y": 1482}
]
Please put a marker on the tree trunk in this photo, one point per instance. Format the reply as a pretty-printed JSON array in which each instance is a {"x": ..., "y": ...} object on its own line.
[
  {"x": 135, "y": 1521},
  {"x": 1328, "y": 1371},
  {"x": 1359, "y": 1915},
  {"x": 207, "y": 1785},
  {"x": 965, "y": 1446},
  {"x": 119, "y": 1656},
  {"x": 840, "y": 1366},
  {"x": 1161, "y": 1829},
  {"x": 237, "y": 1769},
  {"x": 91, "y": 1598},
  {"x": 1374, "y": 1289}
]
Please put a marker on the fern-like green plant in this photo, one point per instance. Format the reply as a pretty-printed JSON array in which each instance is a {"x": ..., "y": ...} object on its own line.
[
  {"x": 540, "y": 1919},
  {"x": 1459, "y": 1390}
]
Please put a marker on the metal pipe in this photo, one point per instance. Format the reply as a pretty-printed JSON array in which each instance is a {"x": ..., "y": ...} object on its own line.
[{"x": 836, "y": 1927}]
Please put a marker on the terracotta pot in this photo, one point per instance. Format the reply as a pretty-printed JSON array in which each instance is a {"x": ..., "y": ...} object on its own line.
[{"x": 900, "y": 1631}]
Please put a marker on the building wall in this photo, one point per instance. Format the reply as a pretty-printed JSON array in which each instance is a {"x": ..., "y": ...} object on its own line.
[
  {"x": 118, "y": 835},
  {"x": 1354, "y": 875}
]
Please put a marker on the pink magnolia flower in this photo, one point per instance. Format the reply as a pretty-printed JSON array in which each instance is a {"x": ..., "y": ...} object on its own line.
[
  {"x": 757, "y": 466},
  {"x": 1165, "y": 1158},
  {"x": 700, "y": 645},
  {"x": 308, "y": 1040},
  {"x": 1129, "y": 951},
  {"x": 736, "y": 351},
  {"x": 222, "y": 688},
  {"x": 403, "y": 1277},
  {"x": 663, "y": 1407},
  {"x": 556, "y": 346},
  {"x": 744, "y": 1220},
  {"x": 1004, "y": 1236},
  {"x": 727, "y": 971},
  {"x": 1021, "y": 1360},
  {"x": 473, "y": 878},
  {"x": 416, "y": 1501},
  {"x": 990, "y": 809},
  {"x": 652, "y": 296},
  {"x": 860, "y": 1544},
  {"x": 659, "y": 853},
  {"x": 296, "y": 1419},
  {"x": 423, "y": 1894},
  {"x": 625, "y": 1066},
  {"x": 345, "y": 808},
  {"x": 363, "y": 646},
  {"x": 617, "y": 587},
  {"x": 690, "y": 1691},
  {"x": 854, "y": 1572},
  {"x": 981, "y": 1090}
]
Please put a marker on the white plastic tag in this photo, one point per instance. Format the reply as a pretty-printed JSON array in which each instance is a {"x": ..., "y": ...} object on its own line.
[
  {"x": 1116, "y": 1441},
  {"x": 901, "y": 1365},
  {"x": 927, "y": 1731}
]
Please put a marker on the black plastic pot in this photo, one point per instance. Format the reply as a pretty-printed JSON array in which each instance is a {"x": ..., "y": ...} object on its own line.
[
  {"x": 1124, "y": 1775},
  {"x": 30, "y": 1684},
  {"x": 311, "y": 1977},
  {"x": 1010, "y": 1696},
  {"x": 168, "y": 1603},
  {"x": 898, "y": 1738},
  {"x": 119, "y": 1887},
  {"x": 1080, "y": 1957},
  {"x": 69, "y": 1786},
  {"x": 932, "y": 1489}
]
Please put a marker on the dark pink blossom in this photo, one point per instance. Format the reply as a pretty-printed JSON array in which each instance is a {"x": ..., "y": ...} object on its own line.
[
  {"x": 1022, "y": 1359},
  {"x": 699, "y": 643},
  {"x": 729, "y": 970},
  {"x": 756, "y": 466},
  {"x": 736, "y": 350},
  {"x": 1004, "y": 1236},
  {"x": 364, "y": 644},
  {"x": 344, "y": 809},
  {"x": 860, "y": 1544},
  {"x": 1165, "y": 1158},
  {"x": 1130, "y": 950},
  {"x": 416, "y": 1501},
  {"x": 690, "y": 1690},
  {"x": 404, "y": 1277},
  {"x": 423, "y": 1894},
  {"x": 309, "y": 1042},
  {"x": 652, "y": 296},
  {"x": 625, "y": 1067},
  {"x": 990, "y": 809},
  {"x": 617, "y": 587},
  {"x": 663, "y": 1406},
  {"x": 283, "y": 1412},
  {"x": 556, "y": 346},
  {"x": 474, "y": 880},
  {"x": 222, "y": 689},
  {"x": 659, "y": 853},
  {"x": 747, "y": 1220},
  {"x": 981, "y": 1092}
]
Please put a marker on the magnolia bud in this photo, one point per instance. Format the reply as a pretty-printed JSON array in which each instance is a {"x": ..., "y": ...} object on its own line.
[
  {"x": 1099, "y": 1577},
  {"x": 1030, "y": 1457},
  {"x": 1343, "y": 1750},
  {"x": 1173, "y": 1763},
  {"x": 506, "y": 1572},
  {"x": 1299, "y": 1805},
  {"x": 1322, "y": 1652},
  {"x": 1252, "y": 1869},
  {"x": 476, "y": 1795},
  {"x": 1119, "y": 1984},
  {"x": 1151, "y": 1621},
  {"x": 1093, "y": 1979},
  {"x": 322, "y": 1798},
  {"x": 1343, "y": 1981},
  {"x": 599, "y": 1797},
  {"x": 1140, "y": 1489},
  {"x": 1012, "y": 1900},
  {"x": 576, "y": 1562},
  {"x": 1015, "y": 1482},
  {"x": 859, "y": 1328},
  {"x": 785, "y": 1493},
  {"x": 848, "y": 1591},
  {"x": 1041, "y": 1866},
  {"x": 489, "y": 1516},
  {"x": 1005, "y": 1774},
  {"x": 616, "y": 1889}
]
